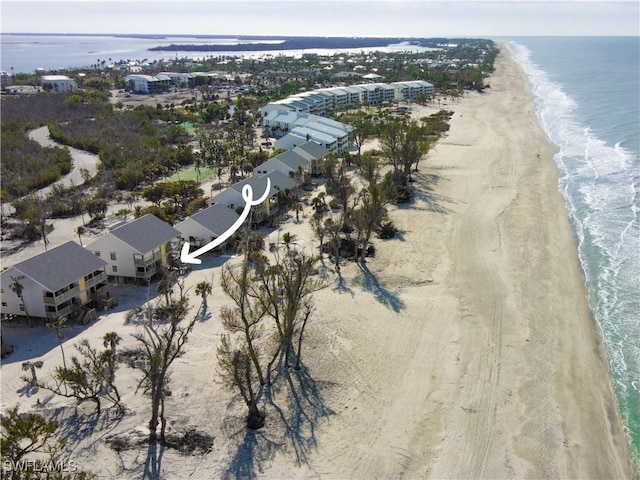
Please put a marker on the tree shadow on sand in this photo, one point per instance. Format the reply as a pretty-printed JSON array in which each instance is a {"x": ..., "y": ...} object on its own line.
[
  {"x": 153, "y": 462},
  {"x": 424, "y": 191},
  {"x": 294, "y": 406},
  {"x": 370, "y": 283}
]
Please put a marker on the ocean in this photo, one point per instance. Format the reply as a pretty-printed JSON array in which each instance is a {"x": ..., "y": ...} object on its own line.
[{"x": 587, "y": 97}]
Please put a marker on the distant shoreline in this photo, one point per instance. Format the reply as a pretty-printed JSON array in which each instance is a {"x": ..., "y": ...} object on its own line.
[
  {"x": 297, "y": 43},
  {"x": 258, "y": 42}
]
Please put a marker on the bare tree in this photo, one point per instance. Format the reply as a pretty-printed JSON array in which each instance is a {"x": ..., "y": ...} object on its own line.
[
  {"x": 245, "y": 316},
  {"x": 285, "y": 291},
  {"x": 333, "y": 230},
  {"x": 26, "y": 433},
  {"x": 238, "y": 373},
  {"x": 404, "y": 144},
  {"x": 56, "y": 325},
  {"x": 372, "y": 211},
  {"x": 165, "y": 332},
  {"x": 339, "y": 186},
  {"x": 317, "y": 225},
  {"x": 90, "y": 376}
]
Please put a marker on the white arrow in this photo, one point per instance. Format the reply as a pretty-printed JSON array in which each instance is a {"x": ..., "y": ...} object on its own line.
[{"x": 247, "y": 195}]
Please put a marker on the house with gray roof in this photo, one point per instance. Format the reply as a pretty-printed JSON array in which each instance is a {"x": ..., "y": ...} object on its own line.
[
  {"x": 232, "y": 196},
  {"x": 58, "y": 282},
  {"x": 136, "y": 251},
  {"x": 207, "y": 225},
  {"x": 313, "y": 152},
  {"x": 290, "y": 163},
  {"x": 299, "y": 135}
]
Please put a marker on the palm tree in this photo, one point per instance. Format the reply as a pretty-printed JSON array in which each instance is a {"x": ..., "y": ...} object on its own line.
[
  {"x": 56, "y": 324},
  {"x": 17, "y": 288},
  {"x": 80, "y": 230},
  {"x": 288, "y": 240},
  {"x": 31, "y": 366},
  {"x": 219, "y": 174},
  {"x": 204, "y": 289},
  {"x": 297, "y": 207},
  {"x": 111, "y": 340},
  {"x": 197, "y": 164},
  {"x": 299, "y": 175}
]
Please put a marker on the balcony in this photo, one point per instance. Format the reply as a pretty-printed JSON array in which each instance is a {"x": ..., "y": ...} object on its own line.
[
  {"x": 63, "y": 312},
  {"x": 95, "y": 280},
  {"x": 148, "y": 272},
  {"x": 62, "y": 297},
  {"x": 148, "y": 259}
]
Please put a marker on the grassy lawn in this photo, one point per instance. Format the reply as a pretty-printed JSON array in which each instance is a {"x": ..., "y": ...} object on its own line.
[{"x": 189, "y": 173}]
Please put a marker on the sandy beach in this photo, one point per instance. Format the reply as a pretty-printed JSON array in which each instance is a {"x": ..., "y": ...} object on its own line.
[{"x": 465, "y": 349}]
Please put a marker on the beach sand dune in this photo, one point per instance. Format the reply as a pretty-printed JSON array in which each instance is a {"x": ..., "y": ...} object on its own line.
[{"x": 465, "y": 349}]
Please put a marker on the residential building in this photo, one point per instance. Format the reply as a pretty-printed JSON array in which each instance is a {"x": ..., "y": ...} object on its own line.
[
  {"x": 177, "y": 79},
  {"x": 207, "y": 225},
  {"x": 136, "y": 251},
  {"x": 300, "y": 135},
  {"x": 232, "y": 196},
  {"x": 313, "y": 152},
  {"x": 58, "y": 83},
  {"x": 287, "y": 162},
  {"x": 58, "y": 282},
  {"x": 412, "y": 89},
  {"x": 326, "y": 100},
  {"x": 296, "y": 128}
]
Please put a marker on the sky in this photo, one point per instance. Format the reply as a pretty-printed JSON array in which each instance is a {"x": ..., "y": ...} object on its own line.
[{"x": 384, "y": 18}]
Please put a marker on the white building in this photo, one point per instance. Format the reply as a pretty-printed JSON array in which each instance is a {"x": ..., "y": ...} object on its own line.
[
  {"x": 178, "y": 79},
  {"x": 138, "y": 83},
  {"x": 232, "y": 196},
  {"x": 412, "y": 89},
  {"x": 313, "y": 152},
  {"x": 135, "y": 251},
  {"x": 325, "y": 100},
  {"x": 207, "y": 225},
  {"x": 298, "y": 128},
  {"x": 58, "y": 282},
  {"x": 58, "y": 83},
  {"x": 5, "y": 79},
  {"x": 288, "y": 162},
  {"x": 300, "y": 135}
]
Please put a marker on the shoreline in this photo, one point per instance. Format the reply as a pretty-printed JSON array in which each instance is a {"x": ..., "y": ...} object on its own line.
[
  {"x": 491, "y": 351},
  {"x": 465, "y": 349},
  {"x": 522, "y": 231}
]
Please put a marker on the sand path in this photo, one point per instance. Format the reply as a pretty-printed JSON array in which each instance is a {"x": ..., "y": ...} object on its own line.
[{"x": 81, "y": 160}]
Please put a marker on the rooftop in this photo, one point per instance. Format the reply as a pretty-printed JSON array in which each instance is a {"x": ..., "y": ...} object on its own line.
[
  {"x": 60, "y": 266},
  {"x": 145, "y": 233}
]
